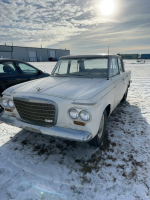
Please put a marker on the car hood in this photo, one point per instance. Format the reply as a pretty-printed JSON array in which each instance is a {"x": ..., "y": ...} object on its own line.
[{"x": 63, "y": 87}]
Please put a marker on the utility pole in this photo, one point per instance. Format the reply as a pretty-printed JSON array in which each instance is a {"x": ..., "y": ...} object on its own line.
[{"x": 108, "y": 50}]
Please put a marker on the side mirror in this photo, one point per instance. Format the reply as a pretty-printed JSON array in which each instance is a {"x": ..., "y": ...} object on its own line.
[{"x": 39, "y": 72}]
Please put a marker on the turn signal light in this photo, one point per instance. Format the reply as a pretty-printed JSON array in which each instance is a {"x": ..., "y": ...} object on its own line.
[
  {"x": 8, "y": 110},
  {"x": 79, "y": 123}
]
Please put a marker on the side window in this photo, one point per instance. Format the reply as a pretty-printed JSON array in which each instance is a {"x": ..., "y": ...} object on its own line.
[
  {"x": 120, "y": 65},
  {"x": 26, "y": 69},
  {"x": 114, "y": 70},
  {"x": 7, "y": 68}
]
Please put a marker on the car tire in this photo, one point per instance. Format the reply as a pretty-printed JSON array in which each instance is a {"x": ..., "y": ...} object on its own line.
[
  {"x": 124, "y": 96},
  {"x": 98, "y": 139}
]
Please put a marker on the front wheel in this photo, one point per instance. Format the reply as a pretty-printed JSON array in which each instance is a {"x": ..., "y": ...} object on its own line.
[{"x": 98, "y": 139}]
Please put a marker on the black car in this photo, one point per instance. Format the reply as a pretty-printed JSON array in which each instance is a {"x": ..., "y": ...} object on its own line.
[{"x": 13, "y": 72}]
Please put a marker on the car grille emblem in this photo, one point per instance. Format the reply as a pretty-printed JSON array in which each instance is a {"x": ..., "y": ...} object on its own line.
[
  {"x": 38, "y": 89},
  {"x": 48, "y": 120}
]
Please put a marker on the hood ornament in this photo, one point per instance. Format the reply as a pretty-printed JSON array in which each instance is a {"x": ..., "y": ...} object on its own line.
[{"x": 38, "y": 88}]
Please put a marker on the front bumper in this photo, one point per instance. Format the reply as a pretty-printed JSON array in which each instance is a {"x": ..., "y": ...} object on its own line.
[{"x": 65, "y": 133}]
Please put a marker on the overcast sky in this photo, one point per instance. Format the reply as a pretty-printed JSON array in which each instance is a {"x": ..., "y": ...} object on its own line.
[{"x": 79, "y": 25}]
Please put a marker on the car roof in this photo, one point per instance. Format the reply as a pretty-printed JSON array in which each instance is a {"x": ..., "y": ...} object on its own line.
[
  {"x": 87, "y": 56},
  {"x": 9, "y": 59}
]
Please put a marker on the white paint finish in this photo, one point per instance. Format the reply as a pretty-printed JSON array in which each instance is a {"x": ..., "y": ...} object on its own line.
[
  {"x": 118, "y": 88},
  {"x": 64, "y": 87}
]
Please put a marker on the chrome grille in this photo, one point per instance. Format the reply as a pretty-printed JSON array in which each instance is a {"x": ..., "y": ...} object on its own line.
[{"x": 43, "y": 114}]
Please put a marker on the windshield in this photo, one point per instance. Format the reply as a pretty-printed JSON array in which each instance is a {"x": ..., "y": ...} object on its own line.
[{"x": 82, "y": 67}]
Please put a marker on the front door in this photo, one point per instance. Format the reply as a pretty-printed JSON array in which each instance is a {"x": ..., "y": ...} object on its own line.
[
  {"x": 26, "y": 71},
  {"x": 117, "y": 79}
]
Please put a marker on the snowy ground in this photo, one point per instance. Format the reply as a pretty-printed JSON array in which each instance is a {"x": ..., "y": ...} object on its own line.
[{"x": 35, "y": 166}]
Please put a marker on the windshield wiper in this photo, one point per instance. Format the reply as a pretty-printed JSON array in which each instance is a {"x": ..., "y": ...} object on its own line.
[
  {"x": 76, "y": 75},
  {"x": 58, "y": 74}
]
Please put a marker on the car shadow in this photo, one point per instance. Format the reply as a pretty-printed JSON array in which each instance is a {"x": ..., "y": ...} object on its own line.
[{"x": 55, "y": 160}]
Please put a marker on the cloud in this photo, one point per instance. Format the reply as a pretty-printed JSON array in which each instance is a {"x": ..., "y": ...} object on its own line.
[
  {"x": 72, "y": 24},
  {"x": 47, "y": 22}
]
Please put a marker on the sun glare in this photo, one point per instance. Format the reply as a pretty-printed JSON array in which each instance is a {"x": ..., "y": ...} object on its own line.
[{"x": 107, "y": 7}]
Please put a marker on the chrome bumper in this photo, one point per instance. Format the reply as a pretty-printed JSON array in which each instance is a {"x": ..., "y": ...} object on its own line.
[{"x": 65, "y": 133}]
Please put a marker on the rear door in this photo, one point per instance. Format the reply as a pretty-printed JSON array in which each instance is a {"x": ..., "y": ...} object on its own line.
[
  {"x": 117, "y": 79},
  {"x": 9, "y": 75},
  {"x": 124, "y": 74}
]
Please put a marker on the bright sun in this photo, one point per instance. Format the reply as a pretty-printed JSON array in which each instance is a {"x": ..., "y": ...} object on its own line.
[{"x": 107, "y": 7}]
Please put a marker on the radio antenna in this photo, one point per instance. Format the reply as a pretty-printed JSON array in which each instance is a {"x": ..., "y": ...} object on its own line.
[{"x": 108, "y": 55}]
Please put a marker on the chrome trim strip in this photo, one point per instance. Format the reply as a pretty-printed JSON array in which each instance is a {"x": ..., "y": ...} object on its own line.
[
  {"x": 7, "y": 95},
  {"x": 64, "y": 133},
  {"x": 34, "y": 99}
]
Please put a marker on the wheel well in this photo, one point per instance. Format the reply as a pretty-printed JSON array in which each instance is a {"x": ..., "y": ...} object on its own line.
[{"x": 108, "y": 109}]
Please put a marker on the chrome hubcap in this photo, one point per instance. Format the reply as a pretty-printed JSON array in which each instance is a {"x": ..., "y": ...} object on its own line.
[{"x": 101, "y": 127}]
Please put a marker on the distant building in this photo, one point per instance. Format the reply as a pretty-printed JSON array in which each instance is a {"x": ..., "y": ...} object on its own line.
[
  {"x": 145, "y": 56},
  {"x": 31, "y": 54},
  {"x": 129, "y": 56}
]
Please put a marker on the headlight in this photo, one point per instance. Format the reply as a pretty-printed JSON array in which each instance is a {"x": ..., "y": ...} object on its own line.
[
  {"x": 4, "y": 103},
  {"x": 84, "y": 115},
  {"x": 73, "y": 114},
  {"x": 11, "y": 103}
]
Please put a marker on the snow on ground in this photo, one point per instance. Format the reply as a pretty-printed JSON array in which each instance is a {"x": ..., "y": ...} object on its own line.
[
  {"x": 35, "y": 166},
  {"x": 44, "y": 66}
]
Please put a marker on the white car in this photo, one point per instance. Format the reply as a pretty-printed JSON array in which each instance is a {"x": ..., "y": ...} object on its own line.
[{"x": 74, "y": 102}]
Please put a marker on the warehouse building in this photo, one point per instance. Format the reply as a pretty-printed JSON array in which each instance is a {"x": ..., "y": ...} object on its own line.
[
  {"x": 145, "y": 56},
  {"x": 31, "y": 54},
  {"x": 130, "y": 56}
]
